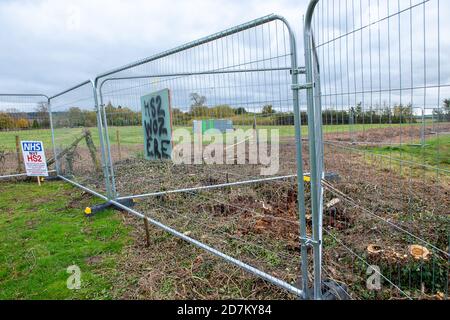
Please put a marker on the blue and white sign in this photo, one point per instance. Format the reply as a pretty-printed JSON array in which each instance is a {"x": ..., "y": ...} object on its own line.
[{"x": 34, "y": 158}]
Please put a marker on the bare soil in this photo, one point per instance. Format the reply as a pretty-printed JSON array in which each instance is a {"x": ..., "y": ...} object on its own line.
[
  {"x": 391, "y": 135},
  {"x": 258, "y": 223}
]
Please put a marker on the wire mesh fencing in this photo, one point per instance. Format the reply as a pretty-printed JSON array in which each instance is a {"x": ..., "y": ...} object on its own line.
[
  {"x": 229, "y": 92},
  {"x": 22, "y": 117},
  {"x": 242, "y": 77},
  {"x": 234, "y": 110},
  {"x": 78, "y": 139},
  {"x": 386, "y": 134}
]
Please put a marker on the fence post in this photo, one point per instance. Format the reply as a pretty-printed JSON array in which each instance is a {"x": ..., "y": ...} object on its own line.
[
  {"x": 255, "y": 134},
  {"x": 52, "y": 129},
  {"x": 102, "y": 144},
  {"x": 19, "y": 160},
  {"x": 118, "y": 143},
  {"x": 299, "y": 162},
  {"x": 147, "y": 232},
  {"x": 108, "y": 158},
  {"x": 315, "y": 147},
  {"x": 422, "y": 132}
]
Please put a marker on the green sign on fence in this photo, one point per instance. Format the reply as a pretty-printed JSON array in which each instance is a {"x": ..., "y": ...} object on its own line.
[{"x": 157, "y": 124}]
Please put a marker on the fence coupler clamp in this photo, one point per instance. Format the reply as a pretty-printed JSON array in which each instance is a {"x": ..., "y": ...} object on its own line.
[
  {"x": 299, "y": 70},
  {"x": 332, "y": 290},
  {"x": 304, "y": 86},
  {"x": 308, "y": 242}
]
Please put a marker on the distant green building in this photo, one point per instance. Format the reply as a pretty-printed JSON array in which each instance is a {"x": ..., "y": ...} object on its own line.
[{"x": 204, "y": 125}]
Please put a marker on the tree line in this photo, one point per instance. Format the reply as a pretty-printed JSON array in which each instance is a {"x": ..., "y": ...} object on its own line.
[
  {"x": 14, "y": 119},
  {"x": 124, "y": 116}
]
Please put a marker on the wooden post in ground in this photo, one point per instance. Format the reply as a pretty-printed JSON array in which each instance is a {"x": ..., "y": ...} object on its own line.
[
  {"x": 19, "y": 155},
  {"x": 118, "y": 143},
  {"x": 39, "y": 181},
  {"x": 200, "y": 143},
  {"x": 147, "y": 232},
  {"x": 255, "y": 136},
  {"x": 92, "y": 149}
]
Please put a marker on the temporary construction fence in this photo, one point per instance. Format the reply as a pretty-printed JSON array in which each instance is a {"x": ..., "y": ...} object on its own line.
[
  {"x": 386, "y": 135},
  {"x": 250, "y": 70},
  {"x": 378, "y": 209}
]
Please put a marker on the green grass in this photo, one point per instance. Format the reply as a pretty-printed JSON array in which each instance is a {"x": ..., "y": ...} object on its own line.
[
  {"x": 436, "y": 152},
  {"x": 41, "y": 234},
  {"x": 133, "y": 135}
]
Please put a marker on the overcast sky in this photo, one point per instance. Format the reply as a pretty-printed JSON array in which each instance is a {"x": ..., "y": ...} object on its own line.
[{"x": 50, "y": 45}]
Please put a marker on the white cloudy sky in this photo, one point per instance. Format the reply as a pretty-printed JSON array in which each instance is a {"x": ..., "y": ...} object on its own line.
[{"x": 49, "y": 45}]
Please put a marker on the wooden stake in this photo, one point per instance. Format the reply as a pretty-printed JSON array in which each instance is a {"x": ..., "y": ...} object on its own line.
[
  {"x": 147, "y": 232},
  {"x": 39, "y": 181},
  {"x": 19, "y": 156},
  {"x": 118, "y": 143}
]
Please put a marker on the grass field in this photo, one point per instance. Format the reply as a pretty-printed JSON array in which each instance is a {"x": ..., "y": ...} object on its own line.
[
  {"x": 133, "y": 135},
  {"x": 43, "y": 231},
  {"x": 42, "y": 234},
  {"x": 436, "y": 152}
]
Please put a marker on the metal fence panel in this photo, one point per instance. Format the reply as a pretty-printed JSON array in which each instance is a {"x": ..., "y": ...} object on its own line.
[
  {"x": 385, "y": 97},
  {"x": 78, "y": 137},
  {"x": 243, "y": 75}
]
